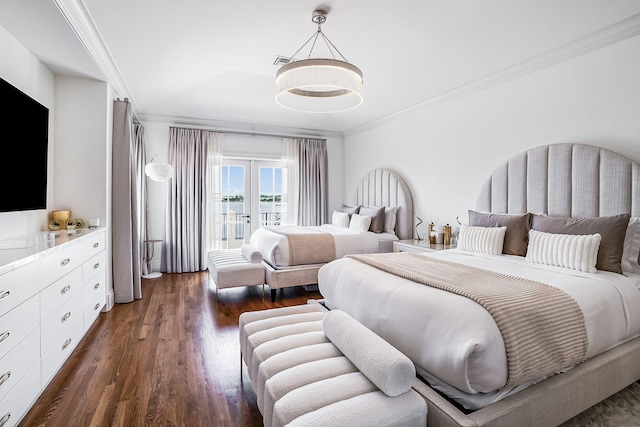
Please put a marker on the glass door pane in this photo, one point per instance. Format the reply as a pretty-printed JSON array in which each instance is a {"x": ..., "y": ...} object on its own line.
[
  {"x": 236, "y": 203},
  {"x": 269, "y": 206}
]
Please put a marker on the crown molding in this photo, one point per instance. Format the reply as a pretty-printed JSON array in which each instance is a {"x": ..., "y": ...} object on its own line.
[
  {"x": 80, "y": 21},
  {"x": 622, "y": 30},
  {"x": 231, "y": 126}
]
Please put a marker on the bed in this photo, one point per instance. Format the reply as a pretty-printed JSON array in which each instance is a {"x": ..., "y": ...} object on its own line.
[
  {"x": 477, "y": 368},
  {"x": 294, "y": 254}
]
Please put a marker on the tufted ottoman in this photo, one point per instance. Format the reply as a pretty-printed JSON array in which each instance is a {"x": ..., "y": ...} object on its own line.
[
  {"x": 311, "y": 367},
  {"x": 236, "y": 267}
]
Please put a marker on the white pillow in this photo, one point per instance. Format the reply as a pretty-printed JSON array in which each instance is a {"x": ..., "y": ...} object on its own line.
[
  {"x": 390, "y": 219},
  {"x": 360, "y": 222},
  {"x": 574, "y": 251},
  {"x": 631, "y": 250},
  {"x": 340, "y": 219},
  {"x": 484, "y": 240}
]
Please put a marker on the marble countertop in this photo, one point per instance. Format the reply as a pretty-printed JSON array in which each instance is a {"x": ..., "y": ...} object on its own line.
[{"x": 18, "y": 251}]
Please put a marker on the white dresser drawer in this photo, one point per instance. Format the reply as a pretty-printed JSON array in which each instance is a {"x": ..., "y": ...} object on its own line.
[
  {"x": 55, "y": 356},
  {"x": 19, "y": 400},
  {"x": 94, "y": 266},
  {"x": 93, "y": 245},
  {"x": 18, "y": 361},
  {"x": 58, "y": 322},
  {"x": 59, "y": 292},
  {"x": 19, "y": 285},
  {"x": 61, "y": 262},
  {"x": 18, "y": 323}
]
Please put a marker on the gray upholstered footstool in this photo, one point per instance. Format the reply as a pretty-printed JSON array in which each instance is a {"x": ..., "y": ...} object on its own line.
[{"x": 236, "y": 267}]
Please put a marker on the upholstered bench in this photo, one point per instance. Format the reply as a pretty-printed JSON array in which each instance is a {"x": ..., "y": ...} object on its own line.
[
  {"x": 236, "y": 267},
  {"x": 311, "y": 367}
]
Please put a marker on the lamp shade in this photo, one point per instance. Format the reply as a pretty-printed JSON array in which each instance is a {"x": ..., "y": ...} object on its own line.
[
  {"x": 319, "y": 85},
  {"x": 159, "y": 172}
]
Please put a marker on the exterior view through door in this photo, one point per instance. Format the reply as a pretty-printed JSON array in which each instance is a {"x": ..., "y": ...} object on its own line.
[{"x": 252, "y": 197}]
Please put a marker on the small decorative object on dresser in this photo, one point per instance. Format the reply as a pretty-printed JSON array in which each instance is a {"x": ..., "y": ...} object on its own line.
[{"x": 61, "y": 217}]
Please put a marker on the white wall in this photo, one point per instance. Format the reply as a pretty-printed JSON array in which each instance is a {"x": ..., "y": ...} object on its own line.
[
  {"x": 446, "y": 150},
  {"x": 20, "y": 68},
  {"x": 82, "y": 149}
]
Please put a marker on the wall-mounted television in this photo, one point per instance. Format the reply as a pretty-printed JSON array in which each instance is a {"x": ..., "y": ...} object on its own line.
[{"x": 23, "y": 149}]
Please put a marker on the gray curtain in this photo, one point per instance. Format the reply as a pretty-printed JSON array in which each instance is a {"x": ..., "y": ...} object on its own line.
[
  {"x": 127, "y": 195},
  {"x": 313, "y": 199},
  {"x": 186, "y": 249}
]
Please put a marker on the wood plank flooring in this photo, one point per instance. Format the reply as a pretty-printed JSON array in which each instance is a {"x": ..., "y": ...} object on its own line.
[{"x": 169, "y": 359}]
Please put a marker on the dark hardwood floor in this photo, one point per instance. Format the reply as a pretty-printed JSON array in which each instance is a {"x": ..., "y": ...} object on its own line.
[{"x": 169, "y": 359}]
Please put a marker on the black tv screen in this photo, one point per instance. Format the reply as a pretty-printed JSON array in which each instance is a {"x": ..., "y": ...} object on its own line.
[{"x": 25, "y": 128}]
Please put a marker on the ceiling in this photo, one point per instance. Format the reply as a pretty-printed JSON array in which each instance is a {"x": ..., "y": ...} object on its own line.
[{"x": 211, "y": 61}]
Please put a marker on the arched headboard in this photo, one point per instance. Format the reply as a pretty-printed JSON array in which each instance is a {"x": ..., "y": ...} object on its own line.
[
  {"x": 383, "y": 187},
  {"x": 570, "y": 180}
]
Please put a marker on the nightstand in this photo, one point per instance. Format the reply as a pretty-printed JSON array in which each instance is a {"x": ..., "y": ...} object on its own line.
[{"x": 412, "y": 245}]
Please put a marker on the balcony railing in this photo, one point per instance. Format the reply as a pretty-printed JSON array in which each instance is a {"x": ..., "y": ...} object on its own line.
[{"x": 237, "y": 221}]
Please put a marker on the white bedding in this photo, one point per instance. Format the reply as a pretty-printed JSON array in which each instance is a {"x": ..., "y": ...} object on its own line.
[
  {"x": 453, "y": 341},
  {"x": 275, "y": 249}
]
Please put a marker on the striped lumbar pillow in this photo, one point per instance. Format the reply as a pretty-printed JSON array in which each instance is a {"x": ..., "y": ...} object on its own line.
[
  {"x": 574, "y": 251},
  {"x": 485, "y": 240},
  {"x": 360, "y": 222}
]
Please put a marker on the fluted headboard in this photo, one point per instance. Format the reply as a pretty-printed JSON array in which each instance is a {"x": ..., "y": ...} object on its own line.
[
  {"x": 383, "y": 187},
  {"x": 564, "y": 180}
]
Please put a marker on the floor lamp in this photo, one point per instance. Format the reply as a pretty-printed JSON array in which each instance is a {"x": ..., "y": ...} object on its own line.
[{"x": 159, "y": 172}]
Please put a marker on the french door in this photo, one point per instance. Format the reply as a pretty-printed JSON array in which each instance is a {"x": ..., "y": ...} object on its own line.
[{"x": 252, "y": 197}]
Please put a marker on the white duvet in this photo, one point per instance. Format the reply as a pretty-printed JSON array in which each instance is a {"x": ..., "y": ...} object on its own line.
[
  {"x": 275, "y": 248},
  {"x": 453, "y": 340}
]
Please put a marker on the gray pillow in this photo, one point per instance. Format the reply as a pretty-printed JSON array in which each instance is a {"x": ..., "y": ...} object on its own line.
[
  {"x": 612, "y": 230},
  {"x": 377, "y": 217},
  {"x": 516, "y": 238},
  {"x": 350, "y": 209}
]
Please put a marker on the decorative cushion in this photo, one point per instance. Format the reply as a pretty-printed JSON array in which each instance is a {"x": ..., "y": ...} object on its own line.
[
  {"x": 518, "y": 225},
  {"x": 390, "y": 219},
  {"x": 377, "y": 217},
  {"x": 612, "y": 230},
  {"x": 574, "y": 251},
  {"x": 252, "y": 254},
  {"x": 631, "y": 250},
  {"x": 486, "y": 240},
  {"x": 340, "y": 219},
  {"x": 360, "y": 222},
  {"x": 350, "y": 209}
]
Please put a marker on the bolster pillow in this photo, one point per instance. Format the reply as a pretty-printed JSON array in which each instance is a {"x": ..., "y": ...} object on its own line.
[
  {"x": 391, "y": 371},
  {"x": 252, "y": 254}
]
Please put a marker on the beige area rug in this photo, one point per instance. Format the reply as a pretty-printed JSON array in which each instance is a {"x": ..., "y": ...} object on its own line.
[{"x": 620, "y": 410}]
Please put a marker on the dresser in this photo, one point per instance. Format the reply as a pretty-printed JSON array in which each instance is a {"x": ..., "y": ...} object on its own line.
[
  {"x": 52, "y": 289},
  {"x": 412, "y": 245}
]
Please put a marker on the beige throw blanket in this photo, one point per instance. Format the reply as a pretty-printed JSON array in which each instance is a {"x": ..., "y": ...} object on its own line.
[
  {"x": 307, "y": 246},
  {"x": 542, "y": 327}
]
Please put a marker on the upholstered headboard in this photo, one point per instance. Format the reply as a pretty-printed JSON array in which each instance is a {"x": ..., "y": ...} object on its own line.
[
  {"x": 571, "y": 180},
  {"x": 383, "y": 187}
]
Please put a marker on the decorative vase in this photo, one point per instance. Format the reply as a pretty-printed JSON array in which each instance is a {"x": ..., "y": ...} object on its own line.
[{"x": 61, "y": 217}]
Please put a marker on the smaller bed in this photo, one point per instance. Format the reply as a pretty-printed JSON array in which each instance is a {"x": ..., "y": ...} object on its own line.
[{"x": 294, "y": 254}]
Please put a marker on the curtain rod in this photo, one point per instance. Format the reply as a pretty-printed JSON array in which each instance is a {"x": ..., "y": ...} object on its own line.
[{"x": 238, "y": 132}]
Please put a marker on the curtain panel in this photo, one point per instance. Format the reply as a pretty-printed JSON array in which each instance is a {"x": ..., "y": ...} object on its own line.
[
  {"x": 187, "y": 200},
  {"x": 313, "y": 200},
  {"x": 290, "y": 166},
  {"x": 128, "y": 159}
]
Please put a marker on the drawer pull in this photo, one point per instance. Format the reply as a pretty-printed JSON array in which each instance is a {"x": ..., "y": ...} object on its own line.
[
  {"x": 5, "y": 377},
  {"x": 65, "y": 289},
  {"x": 66, "y": 344},
  {"x": 5, "y": 294},
  {"x": 65, "y": 261},
  {"x": 5, "y": 335},
  {"x": 96, "y": 265},
  {"x": 5, "y": 419},
  {"x": 95, "y": 245},
  {"x": 96, "y": 286},
  {"x": 65, "y": 317},
  {"x": 97, "y": 306}
]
